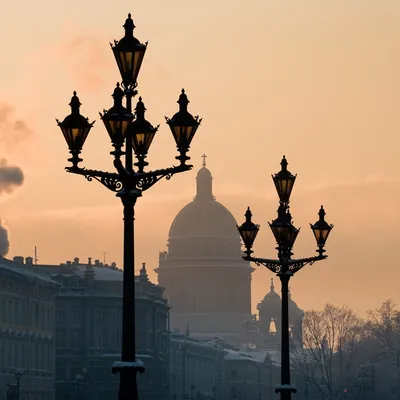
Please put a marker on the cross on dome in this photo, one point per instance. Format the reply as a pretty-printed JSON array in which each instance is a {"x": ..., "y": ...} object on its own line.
[{"x": 204, "y": 160}]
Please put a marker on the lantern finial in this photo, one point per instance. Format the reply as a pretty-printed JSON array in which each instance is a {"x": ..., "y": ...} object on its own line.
[
  {"x": 284, "y": 163},
  {"x": 75, "y": 103},
  {"x": 183, "y": 101},
  {"x": 140, "y": 109},
  {"x": 129, "y": 26},
  {"x": 321, "y": 213}
]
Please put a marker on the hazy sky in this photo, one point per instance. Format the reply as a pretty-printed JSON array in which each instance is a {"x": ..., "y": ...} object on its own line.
[{"x": 317, "y": 81}]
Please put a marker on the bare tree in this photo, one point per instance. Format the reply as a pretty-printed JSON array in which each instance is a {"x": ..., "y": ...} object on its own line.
[
  {"x": 329, "y": 348},
  {"x": 384, "y": 326}
]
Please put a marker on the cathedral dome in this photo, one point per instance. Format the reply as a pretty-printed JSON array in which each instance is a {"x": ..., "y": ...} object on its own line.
[
  {"x": 204, "y": 217},
  {"x": 204, "y": 229}
]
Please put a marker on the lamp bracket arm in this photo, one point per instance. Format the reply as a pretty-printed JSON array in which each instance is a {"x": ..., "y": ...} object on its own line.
[
  {"x": 297, "y": 264},
  {"x": 110, "y": 180},
  {"x": 273, "y": 265},
  {"x": 145, "y": 180}
]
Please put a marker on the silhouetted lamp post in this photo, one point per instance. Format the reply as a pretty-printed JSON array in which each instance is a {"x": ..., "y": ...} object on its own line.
[
  {"x": 285, "y": 267},
  {"x": 130, "y": 134}
]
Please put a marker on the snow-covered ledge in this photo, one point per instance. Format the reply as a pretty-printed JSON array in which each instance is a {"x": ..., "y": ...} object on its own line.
[
  {"x": 285, "y": 388},
  {"x": 122, "y": 365}
]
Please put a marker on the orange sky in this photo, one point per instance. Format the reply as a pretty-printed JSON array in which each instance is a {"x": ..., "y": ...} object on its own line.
[{"x": 317, "y": 81}]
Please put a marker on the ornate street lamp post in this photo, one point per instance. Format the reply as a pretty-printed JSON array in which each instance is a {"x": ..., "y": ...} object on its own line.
[
  {"x": 285, "y": 267},
  {"x": 135, "y": 134}
]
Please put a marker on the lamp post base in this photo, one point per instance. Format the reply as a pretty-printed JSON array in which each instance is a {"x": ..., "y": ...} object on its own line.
[
  {"x": 128, "y": 370},
  {"x": 286, "y": 391}
]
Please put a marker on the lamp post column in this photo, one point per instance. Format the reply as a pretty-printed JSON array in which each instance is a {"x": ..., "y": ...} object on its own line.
[
  {"x": 128, "y": 387},
  {"x": 285, "y": 350},
  {"x": 128, "y": 380}
]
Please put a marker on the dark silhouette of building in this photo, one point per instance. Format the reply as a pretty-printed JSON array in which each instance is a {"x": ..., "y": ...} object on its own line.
[
  {"x": 207, "y": 284},
  {"x": 217, "y": 370},
  {"x": 88, "y": 331},
  {"x": 27, "y": 331},
  {"x": 196, "y": 368},
  {"x": 248, "y": 375}
]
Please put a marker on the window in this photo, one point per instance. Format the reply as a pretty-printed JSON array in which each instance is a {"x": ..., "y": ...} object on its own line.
[
  {"x": 233, "y": 373},
  {"x": 60, "y": 314},
  {"x": 99, "y": 315},
  {"x": 76, "y": 314},
  {"x": 43, "y": 319},
  {"x": 3, "y": 310},
  {"x": 234, "y": 393},
  {"x": 17, "y": 313},
  {"x": 49, "y": 321},
  {"x": 9, "y": 311},
  {"x": 36, "y": 315}
]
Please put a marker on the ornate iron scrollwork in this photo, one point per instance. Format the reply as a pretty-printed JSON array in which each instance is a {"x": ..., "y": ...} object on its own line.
[
  {"x": 292, "y": 266},
  {"x": 112, "y": 184},
  {"x": 272, "y": 265},
  {"x": 146, "y": 182},
  {"x": 117, "y": 181}
]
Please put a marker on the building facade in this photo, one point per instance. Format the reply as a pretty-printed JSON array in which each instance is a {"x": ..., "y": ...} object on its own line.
[
  {"x": 207, "y": 284},
  {"x": 89, "y": 331},
  {"x": 27, "y": 332},
  {"x": 248, "y": 375},
  {"x": 216, "y": 370},
  {"x": 196, "y": 368}
]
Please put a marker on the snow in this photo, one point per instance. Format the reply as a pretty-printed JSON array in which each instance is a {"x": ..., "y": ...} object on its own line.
[
  {"x": 118, "y": 365},
  {"x": 281, "y": 388},
  {"x": 255, "y": 356},
  {"x": 102, "y": 273},
  {"x": 15, "y": 268}
]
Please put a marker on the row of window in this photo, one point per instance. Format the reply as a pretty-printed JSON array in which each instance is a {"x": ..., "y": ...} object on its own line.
[
  {"x": 25, "y": 355},
  {"x": 200, "y": 370},
  {"x": 20, "y": 312},
  {"x": 100, "y": 314}
]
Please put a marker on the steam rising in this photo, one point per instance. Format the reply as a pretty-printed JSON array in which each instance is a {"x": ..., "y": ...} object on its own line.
[
  {"x": 89, "y": 63},
  {"x": 10, "y": 177},
  {"x": 12, "y": 130},
  {"x": 4, "y": 240}
]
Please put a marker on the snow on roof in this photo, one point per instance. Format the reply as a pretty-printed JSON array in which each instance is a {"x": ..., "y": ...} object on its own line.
[
  {"x": 26, "y": 272},
  {"x": 101, "y": 273},
  {"x": 255, "y": 356}
]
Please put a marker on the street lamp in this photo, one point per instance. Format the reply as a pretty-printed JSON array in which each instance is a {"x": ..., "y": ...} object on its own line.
[
  {"x": 285, "y": 267},
  {"x": 130, "y": 135}
]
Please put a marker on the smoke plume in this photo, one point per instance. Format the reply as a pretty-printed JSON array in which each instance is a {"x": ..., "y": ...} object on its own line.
[
  {"x": 12, "y": 130},
  {"x": 10, "y": 177},
  {"x": 87, "y": 60},
  {"x": 4, "y": 240}
]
